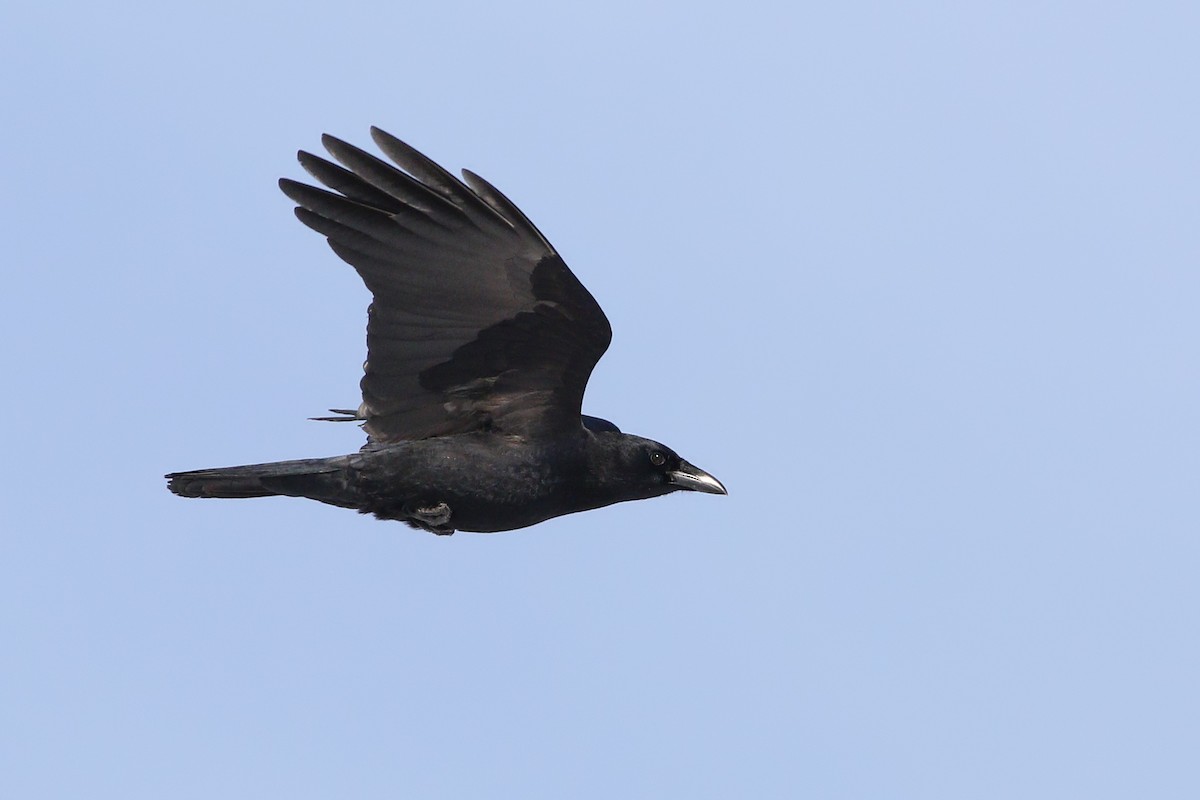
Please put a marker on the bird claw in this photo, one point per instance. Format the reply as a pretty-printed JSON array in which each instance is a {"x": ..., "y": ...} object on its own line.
[{"x": 434, "y": 519}]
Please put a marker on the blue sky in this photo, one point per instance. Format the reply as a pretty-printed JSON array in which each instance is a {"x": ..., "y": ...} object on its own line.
[{"x": 918, "y": 282}]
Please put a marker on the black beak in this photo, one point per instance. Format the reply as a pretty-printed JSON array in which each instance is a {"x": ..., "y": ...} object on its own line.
[{"x": 694, "y": 479}]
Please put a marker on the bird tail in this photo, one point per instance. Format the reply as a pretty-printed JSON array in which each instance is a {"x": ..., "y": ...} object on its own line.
[{"x": 323, "y": 479}]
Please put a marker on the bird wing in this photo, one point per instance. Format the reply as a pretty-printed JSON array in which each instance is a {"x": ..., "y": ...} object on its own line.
[{"x": 475, "y": 322}]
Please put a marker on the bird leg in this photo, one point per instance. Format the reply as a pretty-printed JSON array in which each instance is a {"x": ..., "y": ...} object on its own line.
[{"x": 434, "y": 518}]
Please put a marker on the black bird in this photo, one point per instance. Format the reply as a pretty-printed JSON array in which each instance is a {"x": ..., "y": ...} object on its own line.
[{"x": 480, "y": 343}]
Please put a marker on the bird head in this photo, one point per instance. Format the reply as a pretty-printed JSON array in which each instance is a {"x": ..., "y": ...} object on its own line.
[{"x": 641, "y": 468}]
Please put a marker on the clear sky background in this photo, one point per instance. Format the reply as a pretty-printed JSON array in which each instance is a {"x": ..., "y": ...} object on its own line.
[{"x": 919, "y": 282}]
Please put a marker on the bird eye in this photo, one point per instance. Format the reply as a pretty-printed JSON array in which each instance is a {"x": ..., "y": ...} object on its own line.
[{"x": 657, "y": 459}]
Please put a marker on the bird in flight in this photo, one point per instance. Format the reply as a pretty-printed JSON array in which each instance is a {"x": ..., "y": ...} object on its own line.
[{"x": 480, "y": 342}]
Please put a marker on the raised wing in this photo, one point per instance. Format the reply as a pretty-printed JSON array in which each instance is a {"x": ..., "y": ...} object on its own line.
[{"x": 475, "y": 323}]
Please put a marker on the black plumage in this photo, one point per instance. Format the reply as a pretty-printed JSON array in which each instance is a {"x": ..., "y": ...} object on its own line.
[{"x": 480, "y": 343}]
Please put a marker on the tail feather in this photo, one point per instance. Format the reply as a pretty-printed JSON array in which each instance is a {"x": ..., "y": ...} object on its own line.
[{"x": 321, "y": 479}]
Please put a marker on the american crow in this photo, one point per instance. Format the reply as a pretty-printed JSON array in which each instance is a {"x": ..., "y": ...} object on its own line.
[{"x": 480, "y": 343}]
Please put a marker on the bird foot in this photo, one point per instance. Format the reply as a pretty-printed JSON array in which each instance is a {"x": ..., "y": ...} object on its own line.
[{"x": 435, "y": 518}]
